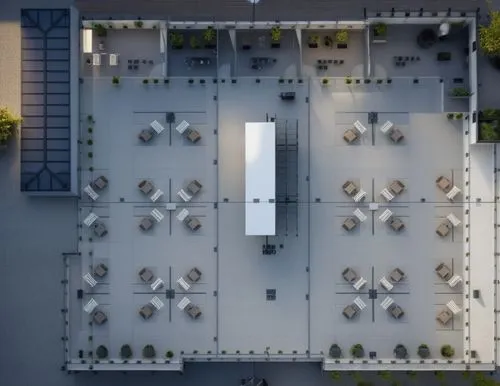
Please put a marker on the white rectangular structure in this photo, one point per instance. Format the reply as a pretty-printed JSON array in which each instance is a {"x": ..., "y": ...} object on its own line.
[{"x": 260, "y": 178}]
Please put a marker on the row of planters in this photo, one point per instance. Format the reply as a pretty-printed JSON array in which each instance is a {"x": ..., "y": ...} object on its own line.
[
  {"x": 126, "y": 353},
  {"x": 341, "y": 39},
  {"x": 8, "y": 125},
  {"x": 400, "y": 351},
  {"x": 207, "y": 40},
  {"x": 101, "y": 29}
]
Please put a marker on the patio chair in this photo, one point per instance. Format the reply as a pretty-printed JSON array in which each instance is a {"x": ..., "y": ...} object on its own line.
[
  {"x": 350, "y": 135},
  {"x": 359, "y": 283},
  {"x": 184, "y": 284},
  {"x": 99, "y": 317},
  {"x": 349, "y": 224},
  {"x": 193, "y": 311},
  {"x": 157, "y": 127},
  {"x": 146, "y": 186},
  {"x": 100, "y": 229},
  {"x": 396, "y": 224},
  {"x": 192, "y": 223},
  {"x": 395, "y": 311},
  {"x": 91, "y": 192},
  {"x": 453, "y": 193},
  {"x": 194, "y": 187},
  {"x": 396, "y": 275},
  {"x": 146, "y": 223},
  {"x": 454, "y": 280},
  {"x": 90, "y": 306},
  {"x": 444, "y": 317},
  {"x": 101, "y": 270},
  {"x": 194, "y": 274},
  {"x": 444, "y": 228},
  {"x": 146, "y": 311},
  {"x": 443, "y": 271},
  {"x": 146, "y": 135},
  {"x": 452, "y": 306},
  {"x": 350, "y": 188},
  {"x": 157, "y": 284},
  {"x": 396, "y": 135},
  {"x": 350, "y": 275},
  {"x": 350, "y": 311},
  {"x": 100, "y": 182},
  {"x": 89, "y": 279},
  {"x": 360, "y": 215},
  {"x": 443, "y": 183},
  {"x": 193, "y": 135},
  {"x": 396, "y": 187},
  {"x": 146, "y": 275}
]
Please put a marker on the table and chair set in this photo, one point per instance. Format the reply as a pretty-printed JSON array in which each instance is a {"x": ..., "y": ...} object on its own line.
[
  {"x": 98, "y": 316},
  {"x": 156, "y": 128},
  {"x": 445, "y": 273},
  {"x": 358, "y": 129},
  {"x": 186, "y": 282}
]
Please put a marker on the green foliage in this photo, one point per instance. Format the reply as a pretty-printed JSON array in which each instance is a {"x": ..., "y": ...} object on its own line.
[
  {"x": 481, "y": 380},
  {"x": 335, "y": 375},
  {"x": 194, "y": 42},
  {"x": 450, "y": 115},
  {"x": 490, "y": 114},
  {"x": 357, "y": 351},
  {"x": 100, "y": 30},
  {"x": 126, "y": 351},
  {"x": 488, "y": 131},
  {"x": 90, "y": 130},
  {"x": 459, "y": 116},
  {"x": 115, "y": 80},
  {"x": 276, "y": 33},
  {"x": 148, "y": 351},
  {"x": 139, "y": 24},
  {"x": 439, "y": 375},
  {"x": 423, "y": 350},
  {"x": 328, "y": 41},
  {"x": 489, "y": 35},
  {"x": 348, "y": 80},
  {"x": 8, "y": 124},
  {"x": 335, "y": 351},
  {"x": 155, "y": 81},
  {"x": 385, "y": 375},
  {"x": 380, "y": 29},
  {"x": 342, "y": 36},
  {"x": 101, "y": 352},
  {"x": 145, "y": 81},
  {"x": 90, "y": 142},
  {"x": 446, "y": 350},
  {"x": 324, "y": 81},
  {"x": 209, "y": 35},
  {"x": 169, "y": 354},
  {"x": 313, "y": 39},
  {"x": 460, "y": 92},
  {"x": 176, "y": 39}
]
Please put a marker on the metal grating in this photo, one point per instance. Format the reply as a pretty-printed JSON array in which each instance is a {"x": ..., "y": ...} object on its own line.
[{"x": 45, "y": 100}]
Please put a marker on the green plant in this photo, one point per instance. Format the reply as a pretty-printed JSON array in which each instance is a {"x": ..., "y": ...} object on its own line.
[
  {"x": 348, "y": 80},
  {"x": 460, "y": 92},
  {"x": 90, "y": 142},
  {"x": 385, "y": 375},
  {"x": 90, "y": 154},
  {"x": 8, "y": 124},
  {"x": 209, "y": 35},
  {"x": 148, "y": 351},
  {"x": 379, "y": 81},
  {"x": 342, "y": 36},
  {"x": 489, "y": 35},
  {"x": 100, "y": 30},
  {"x": 194, "y": 42},
  {"x": 280, "y": 351},
  {"x": 90, "y": 119},
  {"x": 380, "y": 29},
  {"x": 155, "y": 81},
  {"x": 411, "y": 374},
  {"x": 450, "y": 115},
  {"x": 138, "y": 24},
  {"x": 145, "y": 81},
  {"x": 126, "y": 351},
  {"x": 489, "y": 114},
  {"x": 459, "y": 116},
  {"x": 335, "y": 351},
  {"x": 423, "y": 351},
  {"x": 357, "y": 351},
  {"x": 328, "y": 41},
  {"x": 251, "y": 352},
  {"x": 313, "y": 40},
  {"x": 488, "y": 131},
  {"x": 125, "y": 26},
  {"x": 223, "y": 352},
  {"x": 176, "y": 39},
  {"x": 447, "y": 351},
  {"x": 324, "y": 81},
  {"x": 91, "y": 169},
  {"x": 169, "y": 354},
  {"x": 276, "y": 33},
  {"x": 335, "y": 375},
  {"x": 115, "y": 80},
  {"x": 101, "y": 352}
]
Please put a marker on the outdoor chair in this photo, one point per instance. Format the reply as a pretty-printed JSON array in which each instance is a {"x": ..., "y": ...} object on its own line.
[
  {"x": 146, "y": 186},
  {"x": 101, "y": 270},
  {"x": 100, "y": 229},
  {"x": 192, "y": 223},
  {"x": 146, "y": 223},
  {"x": 349, "y": 275},
  {"x": 396, "y": 187},
  {"x": 146, "y": 275},
  {"x": 443, "y": 271},
  {"x": 387, "y": 195},
  {"x": 396, "y": 275},
  {"x": 443, "y": 228},
  {"x": 194, "y": 187},
  {"x": 443, "y": 183},
  {"x": 193, "y": 311},
  {"x": 100, "y": 182},
  {"x": 194, "y": 275},
  {"x": 350, "y": 188},
  {"x": 349, "y": 224},
  {"x": 146, "y": 311},
  {"x": 193, "y": 135},
  {"x": 395, "y": 311},
  {"x": 444, "y": 317},
  {"x": 146, "y": 135},
  {"x": 157, "y": 303},
  {"x": 350, "y": 135},
  {"x": 396, "y": 135},
  {"x": 396, "y": 224},
  {"x": 99, "y": 317}
]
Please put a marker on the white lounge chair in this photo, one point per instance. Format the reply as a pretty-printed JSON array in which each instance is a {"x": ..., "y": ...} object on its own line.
[
  {"x": 157, "y": 127},
  {"x": 360, "y": 283},
  {"x": 452, "y": 306},
  {"x": 359, "y": 196},
  {"x": 183, "y": 283},
  {"x": 186, "y": 197},
  {"x": 157, "y": 215},
  {"x": 96, "y": 59},
  {"x": 90, "y": 219},
  {"x": 181, "y": 127},
  {"x": 359, "y": 126},
  {"x": 454, "y": 280},
  {"x": 91, "y": 192},
  {"x": 386, "y": 215},
  {"x": 387, "y": 194},
  {"x": 89, "y": 279},
  {"x": 157, "y": 284},
  {"x": 386, "y": 127},
  {"x": 452, "y": 193},
  {"x": 182, "y": 214},
  {"x": 386, "y": 284},
  {"x": 454, "y": 220},
  {"x": 156, "y": 195},
  {"x": 157, "y": 303},
  {"x": 387, "y": 302},
  {"x": 360, "y": 215},
  {"x": 113, "y": 59},
  {"x": 90, "y": 306},
  {"x": 183, "y": 303},
  {"x": 360, "y": 303}
]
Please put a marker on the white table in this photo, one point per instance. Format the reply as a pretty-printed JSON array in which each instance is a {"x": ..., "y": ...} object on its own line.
[{"x": 373, "y": 206}]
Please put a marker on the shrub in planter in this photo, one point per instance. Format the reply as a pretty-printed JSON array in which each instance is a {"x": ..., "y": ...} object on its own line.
[
  {"x": 324, "y": 81},
  {"x": 335, "y": 375},
  {"x": 194, "y": 42},
  {"x": 459, "y": 116},
  {"x": 489, "y": 35},
  {"x": 126, "y": 352},
  {"x": 335, "y": 351},
  {"x": 357, "y": 351},
  {"x": 169, "y": 354},
  {"x": 488, "y": 131},
  {"x": 328, "y": 41},
  {"x": 450, "y": 116},
  {"x": 447, "y": 351},
  {"x": 380, "y": 29},
  {"x": 155, "y": 81},
  {"x": 400, "y": 352},
  {"x": 313, "y": 41},
  {"x": 443, "y": 56},
  {"x": 100, "y": 30},
  {"x": 426, "y": 38},
  {"x": 275, "y": 36},
  {"x": 101, "y": 352},
  {"x": 90, "y": 130},
  {"x": 348, "y": 80},
  {"x": 379, "y": 81},
  {"x": 148, "y": 351},
  {"x": 145, "y": 81},
  {"x": 8, "y": 124},
  {"x": 139, "y": 24},
  {"x": 115, "y": 80},
  {"x": 423, "y": 351},
  {"x": 460, "y": 92},
  {"x": 209, "y": 36},
  {"x": 90, "y": 142},
  {"x": 342, "y": 36},
  {"x": 176, "y": 40},
  {"x": 90, "y": 119}
]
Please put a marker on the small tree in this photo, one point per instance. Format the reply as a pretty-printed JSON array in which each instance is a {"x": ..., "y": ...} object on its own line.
[
  {"x": 357, "y": 351},
  {"x": 400, "y": 351},
  {"x": 101, "y": 352},
  {"x": 335, "y": 375},
  {"x": 342, "y": 36},
  {"x": 423, "y": 351},
  {"x": 100, "y": 30},
  {"x": 138, "y": 24},
  {"x": 126, "y": 352},
  {"x": 169, "y": 354},
  {"x": 209, "y": 35},
  {"x": 148, "y": 351},
  {"x": 276, "y": 33},
  {"x": 335, "y": 351},
  {"x": 194, "y": 42},
  {"x": 489, "y": 35},
  {"x": 447, "y": 351},
  {"x": 115, "y": 80},
  {"x": 8, "y": 124}
]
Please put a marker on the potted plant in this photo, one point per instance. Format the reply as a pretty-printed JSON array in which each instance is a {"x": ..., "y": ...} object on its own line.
[
  {"x": 169, "y": 354},
  {"x": 145, "y": 81},
  {"x": 8, "y": 125},
  {"x": 176, "y": 40},
  {"x": 489, "y": 38},
  {"x": 426, "y": 38},
  {"x": 275, "y": 36},
  {"x": 459, "y": 116},
  {"x": 100, "y": 30},
  {"x": 101, "y": 352},
  {"x": 209, "y": 36},
  {"x": 194, "y": 42},
  {"x": 460, "y": 92},
  {"x": 447, "y": 351},
  {"x": 380, "y": 33},
  {"x": 357, "y": 351},
  {"x": 324, "y": 81},
  {"x": 328, "y": 41},
  {"x": 126, "y": 352},
  {"x": 138, "y": 24},
  {"x": 400, "y": 352},
  {"x": 341, "y": 37},
  {"x": 313, "y": 41},
  {"x": 348, "y": 80},
  {"x": 148, "y": 351},
  {"x": 115, "y": 80},
  {"x": 450, "y": 116},
  {"x": 335, "y": 351}
]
